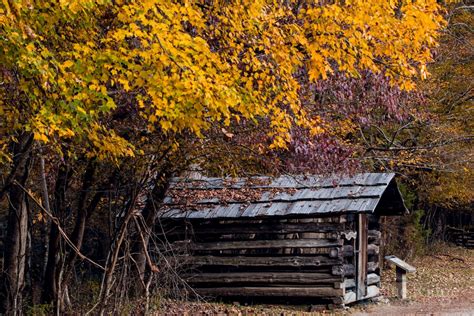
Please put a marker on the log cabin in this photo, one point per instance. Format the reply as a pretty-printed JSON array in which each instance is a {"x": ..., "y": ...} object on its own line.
[{"x": 314, "y": 238}]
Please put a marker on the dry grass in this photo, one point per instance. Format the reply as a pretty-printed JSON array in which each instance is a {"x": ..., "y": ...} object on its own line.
[{"x": 220, "y": 309}]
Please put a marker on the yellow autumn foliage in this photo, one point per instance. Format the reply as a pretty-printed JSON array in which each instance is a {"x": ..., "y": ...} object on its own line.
[{"x": 187, "y": 65}]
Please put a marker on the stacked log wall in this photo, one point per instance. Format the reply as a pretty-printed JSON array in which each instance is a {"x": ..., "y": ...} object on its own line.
[
  {"x": 461, "y": 237},
  {"x": 373, "y": 259},
  {"x": 308, "y": 257}
]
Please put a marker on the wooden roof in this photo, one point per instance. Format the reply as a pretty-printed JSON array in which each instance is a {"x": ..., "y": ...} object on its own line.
[{"x": 206, "y": 198}]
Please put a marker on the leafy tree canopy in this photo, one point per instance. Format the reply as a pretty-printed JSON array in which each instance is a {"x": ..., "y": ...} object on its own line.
[{"x": 184, "y": 66}]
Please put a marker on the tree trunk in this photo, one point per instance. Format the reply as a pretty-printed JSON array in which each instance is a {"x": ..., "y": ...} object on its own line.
[
  {"x": 83, "y": 214},
  {"x": 13, "y": 274},
  {"x": 38, "y": 257},
  {"x": 52, "y": 272},
  {"x": 44, "y": 231},
  {"x": 15, "y": 252}
]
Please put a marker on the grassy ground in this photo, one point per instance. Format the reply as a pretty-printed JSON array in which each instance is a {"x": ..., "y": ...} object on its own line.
[{"x": 443, "y": 283}]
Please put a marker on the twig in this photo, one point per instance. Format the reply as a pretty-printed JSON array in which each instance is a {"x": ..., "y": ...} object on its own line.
[
  {"x": 56, "y": 221},
  {"x": 153, "y": 267},
  {"x": 449, "y": 256}
]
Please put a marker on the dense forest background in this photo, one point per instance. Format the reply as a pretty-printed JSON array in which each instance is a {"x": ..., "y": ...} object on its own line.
[{"x": 103, "y": 102}]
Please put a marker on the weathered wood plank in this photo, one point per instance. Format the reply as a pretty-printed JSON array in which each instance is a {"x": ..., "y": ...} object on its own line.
[
  {"x": 372, "y": 266},
  {"x": 372, "y": 279},
  {"x": 263, "y": 228},
  {"x": 292, "y": 261},
  {"x": 262, "y": 244},
  {"x": 262, "y": 277},
  {"x": 400, "y": 263},
  {"x": 401, "y": 274},
  {"x": 373, "y": 249},
  {"x": 343, "y": 270},
  {"x": 271, "y": 291},
  {"x": 257, "y": 236},
  {"x": 374, "y": 236},
  {"x": 344, "y": 251},
  {"x": 362, "y": 247}
]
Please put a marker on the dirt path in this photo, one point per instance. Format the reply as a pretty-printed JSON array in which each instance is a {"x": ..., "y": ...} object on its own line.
[{"x": 415, "y": 308}]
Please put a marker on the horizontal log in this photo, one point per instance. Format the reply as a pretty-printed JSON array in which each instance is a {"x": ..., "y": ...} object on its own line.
[
  {"x": 257, "y": 236},
  {"x": 374, "y": 233},
  {"x": 264, "y": 228},
  {"x": 373, "y": 249},
  {"x": 465, "y": 238},
  {"x": 300, "y": 219},
  {"x": 271, "y": 291},
  {"x": 372, "y": 279},
  {"x": 262, "y": 244},
  {"x": 293, "y": 261},
  {"x": 340, "y": 252},
  {"x": 348, "y": 251},
  {"x": 451, "y": 228},
  {"x": 374, "y": 241},
  {"x": 374, "y": 258},
  {"x": 469, "y": 236},
  {"x": 464, "y": 243},
  {"x": 372, "y": 266},
  {"x": 374, "y": 237},
  {"x": 262, "y": 277},
  {"x": 343, "y": 270}
]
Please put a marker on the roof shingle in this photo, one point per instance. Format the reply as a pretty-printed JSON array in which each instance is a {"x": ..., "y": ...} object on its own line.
[{"x": 207, "y": 198}]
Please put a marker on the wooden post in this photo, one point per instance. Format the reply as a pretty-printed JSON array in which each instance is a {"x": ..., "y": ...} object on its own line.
[
  {"x": 401, "y": 283},
  {"x": 362, "y": 245}
]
